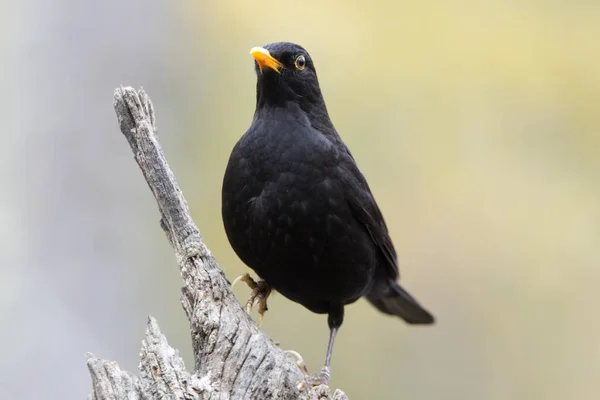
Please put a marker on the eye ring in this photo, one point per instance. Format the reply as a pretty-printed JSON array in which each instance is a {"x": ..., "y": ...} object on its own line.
[{"x": 300, "y": 62}]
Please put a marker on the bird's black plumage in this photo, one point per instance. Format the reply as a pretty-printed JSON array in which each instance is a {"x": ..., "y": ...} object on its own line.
[{"x": 296, "y": 207}]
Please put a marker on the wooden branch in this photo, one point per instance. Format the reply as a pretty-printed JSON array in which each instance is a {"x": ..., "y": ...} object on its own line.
[{"x": 234, "y": 359}]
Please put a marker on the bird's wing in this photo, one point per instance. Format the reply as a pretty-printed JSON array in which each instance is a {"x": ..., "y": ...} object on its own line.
[{"x": 365, "y": 210}]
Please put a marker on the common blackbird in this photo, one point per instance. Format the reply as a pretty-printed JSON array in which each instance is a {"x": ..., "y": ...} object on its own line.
[{"x": 297, "y": 209}]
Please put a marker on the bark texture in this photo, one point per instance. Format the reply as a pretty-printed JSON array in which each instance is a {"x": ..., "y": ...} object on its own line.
[{"x": 233, "y": 358}]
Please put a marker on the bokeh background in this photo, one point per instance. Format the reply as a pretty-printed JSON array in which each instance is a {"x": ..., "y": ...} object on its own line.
[{"x": 476, "y": 123}]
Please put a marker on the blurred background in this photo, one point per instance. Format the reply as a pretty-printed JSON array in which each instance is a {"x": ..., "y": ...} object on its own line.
[{"x": 476, "y": 123}]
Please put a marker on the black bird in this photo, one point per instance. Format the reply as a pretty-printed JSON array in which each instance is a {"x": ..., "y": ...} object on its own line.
[{"x": 298, "y": 211}]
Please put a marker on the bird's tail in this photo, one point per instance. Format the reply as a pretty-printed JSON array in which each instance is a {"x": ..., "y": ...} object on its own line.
[{"x": 398, "y": 302}]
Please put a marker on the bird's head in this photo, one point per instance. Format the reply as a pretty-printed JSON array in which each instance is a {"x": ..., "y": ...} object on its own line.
[{"x": 286, "y": 74}]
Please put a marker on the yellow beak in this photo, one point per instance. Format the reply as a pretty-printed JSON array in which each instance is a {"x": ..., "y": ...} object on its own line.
[{"x": 265, "y": 59}]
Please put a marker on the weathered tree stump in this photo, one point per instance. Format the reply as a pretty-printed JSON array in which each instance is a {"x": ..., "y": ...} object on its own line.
[{"x": 233, "y": 358}]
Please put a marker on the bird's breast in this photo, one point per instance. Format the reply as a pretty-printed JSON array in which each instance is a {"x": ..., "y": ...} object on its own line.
[{"x": 286, "y": 215}]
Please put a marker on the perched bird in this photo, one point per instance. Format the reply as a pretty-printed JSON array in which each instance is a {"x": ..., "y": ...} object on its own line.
[{"x": 298, "y": 211}]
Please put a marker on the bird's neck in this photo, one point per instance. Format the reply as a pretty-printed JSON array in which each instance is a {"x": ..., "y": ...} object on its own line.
[
  {"x": 315, "y": 112},
  {"x": 319, "y": 118}
]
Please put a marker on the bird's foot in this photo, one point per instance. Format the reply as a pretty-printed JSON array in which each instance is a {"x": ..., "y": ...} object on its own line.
[
  {"x": 299, "y": 362},
  {"x": 322, "y": 378},
  {"x": 258, "y": 296}
]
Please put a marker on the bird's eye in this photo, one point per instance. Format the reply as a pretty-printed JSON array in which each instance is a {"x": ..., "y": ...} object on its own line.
[{"x": 300, "y": 62}]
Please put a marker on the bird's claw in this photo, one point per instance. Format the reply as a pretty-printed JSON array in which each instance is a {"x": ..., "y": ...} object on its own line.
[
  {"x": 246, "y": 278},
  {"x": 322, "y": 378},
  {"x": 258, "y": 296},
  {"x": 299, "y": 362}
]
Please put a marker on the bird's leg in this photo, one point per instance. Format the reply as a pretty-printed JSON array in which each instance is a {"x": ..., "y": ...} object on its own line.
[
  {"x": 322, "y": 378},
  {"x": 259, "y": 294}
]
